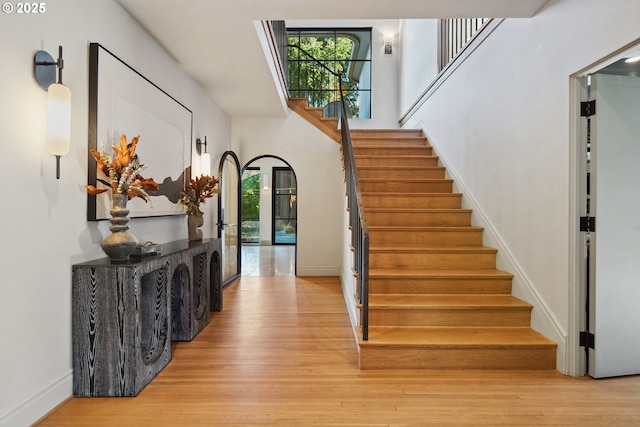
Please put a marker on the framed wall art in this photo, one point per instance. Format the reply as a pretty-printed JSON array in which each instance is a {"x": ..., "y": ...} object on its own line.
[{"x": 123, "y": 101}]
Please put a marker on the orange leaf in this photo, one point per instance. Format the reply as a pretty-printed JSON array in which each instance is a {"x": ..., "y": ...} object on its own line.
[{"x": 95, "y": 191}]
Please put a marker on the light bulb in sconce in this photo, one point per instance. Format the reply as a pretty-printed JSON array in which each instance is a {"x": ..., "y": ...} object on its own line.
[
  {"x": 205, "y": 158},
  {"x": 58, "y": 104},
  {"x": 265, "y": 182},
  {"x": 205, "y": 167},
  {"x": 388, "y": 43}
]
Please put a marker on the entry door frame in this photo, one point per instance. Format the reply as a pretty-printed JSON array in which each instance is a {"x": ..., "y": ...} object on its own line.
[
  {"x": 575, "y": 359},
  {"x": 221, "y": 220}
]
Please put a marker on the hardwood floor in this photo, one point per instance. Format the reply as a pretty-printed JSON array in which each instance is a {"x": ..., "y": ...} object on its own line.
[
  {"x": 282, "y": 352},
  {"x": 274, "y": 260}
]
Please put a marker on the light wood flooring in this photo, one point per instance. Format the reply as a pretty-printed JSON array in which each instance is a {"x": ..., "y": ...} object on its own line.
[
  {"x": 274, "y": 260},
  {"x": 282, "y": 352}
]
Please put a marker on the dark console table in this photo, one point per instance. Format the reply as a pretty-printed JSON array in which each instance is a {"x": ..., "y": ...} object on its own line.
[{"x": 125, "y": 315}]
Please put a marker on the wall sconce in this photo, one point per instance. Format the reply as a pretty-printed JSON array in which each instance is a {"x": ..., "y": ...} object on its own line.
[
  {"x": 388, "y": 44},
  {"x": 205, "y": 158},
  {"x": 59, "y": 104},
  {"x": 265, "y": 182}
]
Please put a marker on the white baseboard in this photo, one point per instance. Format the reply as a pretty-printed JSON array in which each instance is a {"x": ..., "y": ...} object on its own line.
[
  {"x": 348, "y": 286},
  {"x": 37, "y": 406},
  {"x": 542, "y": 318}
]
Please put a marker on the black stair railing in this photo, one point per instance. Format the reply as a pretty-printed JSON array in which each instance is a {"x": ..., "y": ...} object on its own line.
[{"x": 357, "y": 221}]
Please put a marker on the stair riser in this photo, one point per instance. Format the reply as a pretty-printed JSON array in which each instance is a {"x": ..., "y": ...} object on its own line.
[
  {"x": 401, "y": 173},
  {"x": 419, "y": 219},
  {"x": 385, "y": 133},
  {"x": 425, "y": 238},
  {"x": 399, "y": 150},
  {"x": 432, "y": 261},
  {"x": 458, "y": 358},
  {"x": 511, "y": 317},
  {"x": 406, "y": 186},
  {"x": 444, "y": 201},
  {"x": 414, "y": 142},
  {"x": 397, "y": 161},
  {"x": 439, "y": 286}
]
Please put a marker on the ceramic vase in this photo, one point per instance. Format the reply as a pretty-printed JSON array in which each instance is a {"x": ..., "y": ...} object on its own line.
[
  {"x": 194, "y": 222},
  {"x": 120, "y": 244}
]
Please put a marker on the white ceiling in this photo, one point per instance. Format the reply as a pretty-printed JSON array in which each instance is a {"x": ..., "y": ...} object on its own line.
[{"x": 215, "y": 41}]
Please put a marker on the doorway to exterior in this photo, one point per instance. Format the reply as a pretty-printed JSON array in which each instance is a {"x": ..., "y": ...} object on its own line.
[{"x": 268, "y": 231}]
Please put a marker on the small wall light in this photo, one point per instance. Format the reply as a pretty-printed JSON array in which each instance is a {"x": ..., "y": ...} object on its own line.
[
  {"x": 265, "y": 182},
  {"x": 59, "y": 104},
  {"x": 205, "y": 158},
  {"x": 388, "y": 44}
]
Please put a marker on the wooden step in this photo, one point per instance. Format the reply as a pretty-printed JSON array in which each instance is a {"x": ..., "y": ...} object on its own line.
[
  {"x": 415, "y": 281},
  {"x": 406, "y": 185},
  {"x": 425, "y": 236},
  {"x": 418, "y": 217},
  {"x": 417, "y": 141},
  {"x": 448, "y": 310},
  {"x": 456, "y": 348},
  {"x": 403, "y": 150},
  {"x": 434, "y": 258},
  {"x": 401, "y": 172},
  {"x": 396, "y": 160},
  {"x": 436, "y": 299},
  {"x": 385, "y": 133},
  {"x": 412, "y": 200}
]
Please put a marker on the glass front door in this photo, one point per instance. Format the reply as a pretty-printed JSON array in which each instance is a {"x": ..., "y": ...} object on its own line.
[
  {"x": 285, "y": 207},
  {"x": 229, "y": 215}
]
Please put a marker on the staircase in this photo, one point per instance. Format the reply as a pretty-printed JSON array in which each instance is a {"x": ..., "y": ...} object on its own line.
[{"x": 436, "y": 299}]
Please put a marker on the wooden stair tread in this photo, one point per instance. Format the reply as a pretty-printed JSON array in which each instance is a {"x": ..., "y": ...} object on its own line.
[
  {"x": 413, "y": 194},
  {"x": 424, "y": 228},
  {"x": 392, "y": 168},
  {"x": 398, "y": 131},
  {"x": 455, "y": 336},
  {"x": 427, "y": 180},
  {"x": 394, "y": 156},
  {"x": 417, "y": 210},
  {"x": 435, "y": 249},
  {"x": 444, "y": 301},
  {"x": 438, "y": 274}
]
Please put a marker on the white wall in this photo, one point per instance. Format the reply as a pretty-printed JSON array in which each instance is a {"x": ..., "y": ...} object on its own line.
[
  {"x": 384, "y": 69},
  {"x": 418, "y": 57},
  {"x": 315, "y": 158},
  {"x": 44, "y": 228},
  {"x": 501, "y": 123}
]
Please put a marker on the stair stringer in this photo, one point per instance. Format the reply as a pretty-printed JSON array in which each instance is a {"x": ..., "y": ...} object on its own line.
[{"x": 542, "y": 318}]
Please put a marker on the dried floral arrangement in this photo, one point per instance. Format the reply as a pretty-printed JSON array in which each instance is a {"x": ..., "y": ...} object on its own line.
[
  {"x": 123, "y": 171},
  {"x": 197, "y": 191}
]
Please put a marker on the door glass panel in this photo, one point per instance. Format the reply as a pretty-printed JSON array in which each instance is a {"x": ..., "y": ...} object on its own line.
[
  {"x": 251, "y": 206},
  {"x": 284, "y": 206},
  {"x": 229, "y": 219}
]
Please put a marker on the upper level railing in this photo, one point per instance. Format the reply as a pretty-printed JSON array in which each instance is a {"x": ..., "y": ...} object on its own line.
[
  {"x": 454, "y": 34},
  {"x": 357, "y": 221}
]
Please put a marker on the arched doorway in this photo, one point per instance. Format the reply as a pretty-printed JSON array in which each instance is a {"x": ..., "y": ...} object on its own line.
[
  {"x": 229, "y": 216},
  {"x": 269, "y": 217}
]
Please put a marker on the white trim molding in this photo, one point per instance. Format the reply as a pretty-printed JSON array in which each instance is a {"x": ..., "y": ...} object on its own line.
[{"x": 33, "y": 408}]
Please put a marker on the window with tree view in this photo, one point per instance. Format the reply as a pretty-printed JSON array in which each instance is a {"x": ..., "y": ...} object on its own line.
[{"x": 347, "y": 52}]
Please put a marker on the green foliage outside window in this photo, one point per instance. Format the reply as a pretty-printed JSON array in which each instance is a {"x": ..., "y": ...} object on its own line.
[
  {"x": 308, "y": 79},
  {"x": 251, "y": 207}
]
